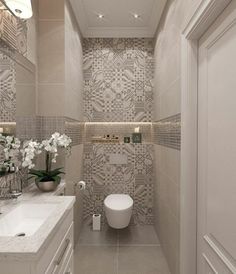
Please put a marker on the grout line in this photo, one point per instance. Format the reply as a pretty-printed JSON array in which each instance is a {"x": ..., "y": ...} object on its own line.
[
  {"x": 112, "y": 245},
  {"x": 117, "y": 253},
  {"x": 115, "y": 245},
  {"x": 137, "y": 245}
]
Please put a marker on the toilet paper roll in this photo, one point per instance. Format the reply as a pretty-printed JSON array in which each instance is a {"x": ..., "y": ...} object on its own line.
[
  {"x": 96, "y": 221},
  {"x": 81, "y": 185}
]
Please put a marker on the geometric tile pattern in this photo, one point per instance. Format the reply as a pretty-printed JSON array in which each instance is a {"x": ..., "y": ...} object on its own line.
[
  {"x": 134, "y": 178},
  {"x": 13, "y": 31},
  {"x": 21, "y": 37},
  {"x": 27, "y": 128},
  {"x": 75, "y": 130},
  {"x": 120, "y": 130},
  {"x": 167, "y": 132},
  {"x": 8, "y": 28},
  {"x": 13, "y": 36},
  {"x": 118, "y": 79},
  {"x": 42, "y": 127},
  {"x": 7, "y": 89},
  {"x": 47, "y": 125}
]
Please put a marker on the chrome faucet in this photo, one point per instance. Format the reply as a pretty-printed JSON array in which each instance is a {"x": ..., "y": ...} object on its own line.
[{"x": 15, "y": 194}]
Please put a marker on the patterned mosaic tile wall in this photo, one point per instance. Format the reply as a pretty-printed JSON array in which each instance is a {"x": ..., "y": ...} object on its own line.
[
  {"x": 167, "y": 132},
  {"x": 13, "y": 31},
  {"x": 75, "y": 130},
  {"x": 42, "y": 127},
  {"x": 7, "y": 89},
  {"x": 119, "y": 129},
  {"x": 118, "y": 76},
  {"x": 134, "y": 178}
]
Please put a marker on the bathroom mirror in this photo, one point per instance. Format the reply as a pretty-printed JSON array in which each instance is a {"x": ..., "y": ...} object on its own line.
[{"x": 17, "y": 80}]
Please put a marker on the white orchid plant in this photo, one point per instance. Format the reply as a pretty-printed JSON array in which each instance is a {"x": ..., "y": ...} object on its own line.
[
  {"x": 11, "y": 148},
  {"x": 33, "y": 148}
]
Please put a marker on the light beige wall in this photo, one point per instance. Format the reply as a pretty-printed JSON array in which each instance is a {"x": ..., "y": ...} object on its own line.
[
  {"x": 60, "y": 82},
  {"x": 74, "y": 107},
  {"x": 51, "y": 58},
  {"x": 167, "y": 101},
  {"x": 73, "y": 171},
  {"x": 32, "y": 34},
  {"x": 73, "y": 66}
]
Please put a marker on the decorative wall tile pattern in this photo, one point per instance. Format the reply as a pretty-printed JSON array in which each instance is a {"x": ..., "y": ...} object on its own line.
[
  {"x": 13, "y": 31},
  {"x": 42, "y": 127},
  {"x": 119, "y": 129},
  {"x": 134, "y": 178},
  {"x": 27, "y": 128},
  {"x": 39, "y": 127},
  {"x": 75, "y": 130},
  {"x": 47, "y": 125},
  {"x": 8, "y": 27},
  {"x": 21, "y": 37},
  {"x": 7, "y": 89},
  {"x": 167, "y": 132},
  {"x": 118, "y": 75}
]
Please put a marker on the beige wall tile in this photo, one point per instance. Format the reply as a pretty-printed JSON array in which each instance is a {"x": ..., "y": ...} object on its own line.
[
  {"x": 51, "y": 9},
  {"x": 74, "y": 108},
  {"x": 51, "y": 52},
  {"x": 73, "y": 171},
  {"x": 170, "y": 163},
  {"x": 25, "y": 100},
  {"x": 73, "y": 66},
  {"x": 167, "y": 102},
  {"x": 24, "y": 76},
  {"x": 51, "y": 100},
  {"x": 170, "y": 100}
]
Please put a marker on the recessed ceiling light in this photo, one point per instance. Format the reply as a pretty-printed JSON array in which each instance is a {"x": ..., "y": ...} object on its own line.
[
  {"x": 100, "y": 16},
  {"x": 136, "y": 16}
]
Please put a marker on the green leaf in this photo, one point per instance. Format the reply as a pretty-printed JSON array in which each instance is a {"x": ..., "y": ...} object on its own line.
[
  {"x": 36, "y": 172},
  {"x": 57, "y": 179},
  {"x": 37, "y": 180}
]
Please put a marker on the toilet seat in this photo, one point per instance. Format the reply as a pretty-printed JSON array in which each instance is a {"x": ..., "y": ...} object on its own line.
[{"x": 118, "y": 201}]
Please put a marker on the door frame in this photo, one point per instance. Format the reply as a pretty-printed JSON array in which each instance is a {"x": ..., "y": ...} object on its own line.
[{"x": 204, "y": 15}]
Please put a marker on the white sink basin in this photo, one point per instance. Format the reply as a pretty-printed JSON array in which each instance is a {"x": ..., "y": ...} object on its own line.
[{"x": 25, "y": 219}]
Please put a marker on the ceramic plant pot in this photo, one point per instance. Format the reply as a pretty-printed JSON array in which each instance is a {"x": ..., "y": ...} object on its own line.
[{"x": 47, "y": 186}]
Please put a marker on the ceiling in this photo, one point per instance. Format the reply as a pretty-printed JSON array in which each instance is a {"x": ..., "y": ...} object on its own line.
[{"x": 118, "y": 17}]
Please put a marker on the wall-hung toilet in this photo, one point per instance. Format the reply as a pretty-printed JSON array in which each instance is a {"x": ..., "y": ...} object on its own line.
[{"x": 118, "y": 210}]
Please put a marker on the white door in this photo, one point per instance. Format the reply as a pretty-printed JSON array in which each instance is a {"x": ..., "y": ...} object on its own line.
[{"x": 217, "y": 146}]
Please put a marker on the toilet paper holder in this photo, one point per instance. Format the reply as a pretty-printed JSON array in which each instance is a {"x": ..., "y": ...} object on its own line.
[{"x": 81, "y": 185}]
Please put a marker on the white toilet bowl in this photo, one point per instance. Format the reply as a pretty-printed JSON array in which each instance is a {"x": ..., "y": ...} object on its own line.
[{"x": 118, "y": 210}]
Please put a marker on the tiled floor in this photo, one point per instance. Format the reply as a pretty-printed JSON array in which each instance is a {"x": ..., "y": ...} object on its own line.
[{"x": 134, "y": 250}]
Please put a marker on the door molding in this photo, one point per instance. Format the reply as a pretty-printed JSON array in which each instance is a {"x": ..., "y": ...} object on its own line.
[{"x": 205, "y": 14}]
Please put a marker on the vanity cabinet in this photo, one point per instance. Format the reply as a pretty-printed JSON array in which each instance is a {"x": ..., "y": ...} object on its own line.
[
  {"x": 59, "y": 251},
  {"x": 54, "y": 257}
]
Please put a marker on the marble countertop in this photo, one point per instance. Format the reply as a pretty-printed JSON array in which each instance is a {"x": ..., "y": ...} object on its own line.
[{"x": 29, "y": 247}]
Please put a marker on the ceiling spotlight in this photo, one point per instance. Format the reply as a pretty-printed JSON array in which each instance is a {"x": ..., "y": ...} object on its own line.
[
  {"x": 100, "y": 16},
  {"x": 136, "y": 16},
  {"x": 21, "y": 8}
]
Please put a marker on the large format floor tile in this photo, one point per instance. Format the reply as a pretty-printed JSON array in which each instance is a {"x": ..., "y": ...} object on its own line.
[
  {"x": 95, "y": 260},
  {"x": 138, "y": 235},
  {"x": 107, "y": 236},
  {"x": 141, "y": 260},
  {"x": 134, "y": 250}
]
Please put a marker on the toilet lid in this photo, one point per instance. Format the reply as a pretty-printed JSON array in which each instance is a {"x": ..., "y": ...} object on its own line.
[{"x": 118, "y": 201}]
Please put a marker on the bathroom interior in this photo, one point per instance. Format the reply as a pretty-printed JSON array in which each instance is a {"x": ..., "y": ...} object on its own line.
[{"x": 96, "y": 151}]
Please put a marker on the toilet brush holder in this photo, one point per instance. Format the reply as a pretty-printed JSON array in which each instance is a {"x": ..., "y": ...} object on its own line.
[{"x": 96, "y": 221}]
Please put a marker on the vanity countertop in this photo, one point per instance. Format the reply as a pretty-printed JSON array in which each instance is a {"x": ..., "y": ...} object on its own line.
[{"x": 29, "y": 247}]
